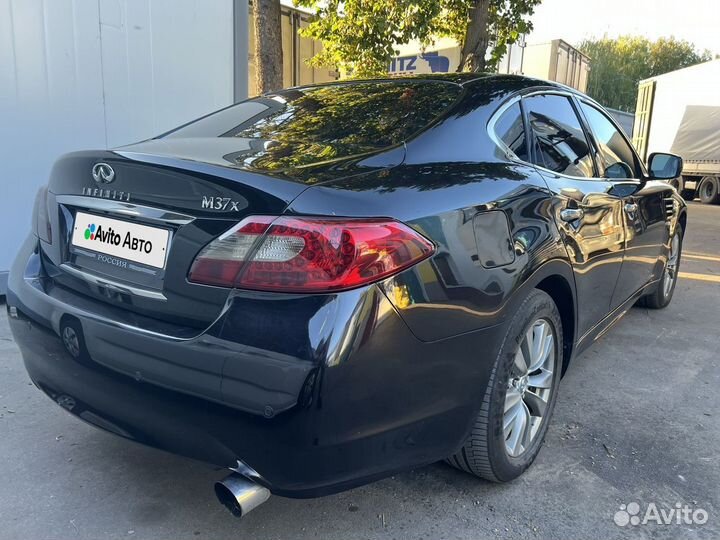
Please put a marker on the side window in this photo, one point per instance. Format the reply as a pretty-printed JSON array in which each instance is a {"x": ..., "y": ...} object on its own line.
[
  {"x": 560, "y": 142},
  {"x": 509, "y": 128},
  {"x": 617, "y": 159}
]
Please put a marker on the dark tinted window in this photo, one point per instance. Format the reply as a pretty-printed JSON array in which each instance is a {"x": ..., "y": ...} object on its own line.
[
  {"x": 617, "y": 159},
  {"x": 509, "y": 129},
  {"x": 560, "y": 142},
  {"x": 300, "y": 126}
]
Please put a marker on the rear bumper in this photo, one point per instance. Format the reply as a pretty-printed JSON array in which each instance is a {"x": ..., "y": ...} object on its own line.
[{"x": 317, "y": 393}]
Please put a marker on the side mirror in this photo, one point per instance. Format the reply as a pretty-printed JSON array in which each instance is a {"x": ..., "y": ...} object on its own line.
[{"x": 664, "y": 166}]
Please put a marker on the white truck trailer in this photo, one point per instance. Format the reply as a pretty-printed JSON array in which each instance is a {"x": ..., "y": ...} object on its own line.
[{"x": 679, "y": 112}]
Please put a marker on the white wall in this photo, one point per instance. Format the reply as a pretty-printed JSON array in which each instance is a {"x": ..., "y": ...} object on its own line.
[
  {"x": 83, "y": 74},
  {"x": 696, "y": 85}
]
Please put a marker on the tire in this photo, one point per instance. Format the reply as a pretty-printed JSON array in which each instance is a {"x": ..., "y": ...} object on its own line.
[
  {"x": 662, "y": 295},
  {"x": 678, "y": 184},
  {"x": 487, "y": 452},
  {"x": 708, "y": 190},
  {"x": 688, "y": 194}
]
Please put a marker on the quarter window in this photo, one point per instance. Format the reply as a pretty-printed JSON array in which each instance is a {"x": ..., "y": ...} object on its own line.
[
  {"x": 560, "y": 144},
  {"x": 617, "y": 160},
  {"x": 510, "y": 129}
]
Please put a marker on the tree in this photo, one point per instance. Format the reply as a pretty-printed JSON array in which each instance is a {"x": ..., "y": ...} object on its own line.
[
  {"x": 268, "y": 45},
  {"x": 617, "y": 65},
  {"x": 360, "y": 36}
]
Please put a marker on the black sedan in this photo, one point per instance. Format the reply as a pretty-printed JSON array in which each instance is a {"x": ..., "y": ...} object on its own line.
[{"x": 322, "y": 286}]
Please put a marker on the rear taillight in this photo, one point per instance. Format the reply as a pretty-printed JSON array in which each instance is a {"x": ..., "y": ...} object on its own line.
[
  {"x": 41, "y": 215},
  {"x": 292, "y": 254}
]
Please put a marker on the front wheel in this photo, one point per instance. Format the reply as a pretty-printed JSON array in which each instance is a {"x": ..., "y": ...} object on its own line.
[
  {"x": 520, "y": 396},
  {"x": 662, "y": 296}
]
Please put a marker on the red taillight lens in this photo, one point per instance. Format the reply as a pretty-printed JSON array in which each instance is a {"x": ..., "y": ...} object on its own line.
[
  {"x": 308, "y": 254},
  {"x": 219, "y": 263}
]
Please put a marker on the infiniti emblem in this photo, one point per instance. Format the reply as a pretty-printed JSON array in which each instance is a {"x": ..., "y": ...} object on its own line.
[{"x": 103, "y": 173}]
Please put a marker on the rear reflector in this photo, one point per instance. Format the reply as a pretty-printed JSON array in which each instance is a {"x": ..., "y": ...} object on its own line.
[{"x": 292, "y": 254}]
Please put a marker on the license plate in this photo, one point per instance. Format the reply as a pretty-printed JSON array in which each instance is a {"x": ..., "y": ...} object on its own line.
[{"x": 131, "y": 241}]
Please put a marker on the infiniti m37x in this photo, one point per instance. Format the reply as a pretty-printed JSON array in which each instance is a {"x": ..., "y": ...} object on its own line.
[{"x": 322, "y": 286}]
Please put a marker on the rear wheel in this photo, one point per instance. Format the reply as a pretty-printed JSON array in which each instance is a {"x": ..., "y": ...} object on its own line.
[
  {"x": 662, "y": 296},
  {"x": 708, "y": 190},
  {"x": 520, "y": 396}
]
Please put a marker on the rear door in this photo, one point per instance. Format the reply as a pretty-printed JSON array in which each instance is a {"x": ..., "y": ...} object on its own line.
[
  {"x": 644, "y": 205},
  {"x": 586, "y": 211}
]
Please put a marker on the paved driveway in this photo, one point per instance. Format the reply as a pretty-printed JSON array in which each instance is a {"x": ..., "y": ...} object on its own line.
[{"x": 637, "y": 420}]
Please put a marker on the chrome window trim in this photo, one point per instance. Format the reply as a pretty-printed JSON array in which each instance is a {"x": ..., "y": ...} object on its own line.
[
  {"x": 491, "y": 128},
  {"x": 511, "y": 155},
  {"x": 591, "y": 103}
]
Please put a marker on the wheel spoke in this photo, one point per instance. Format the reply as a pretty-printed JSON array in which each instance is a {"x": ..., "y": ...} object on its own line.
[
  {"x": 510, "y": 418},
  {"x": 517, "y": 431},
  {"x": 546, "y": 351},
  {"x": 539, "y": 331},
  {"x": 527, "y": 428},
  {"x": 542, "y": 379},
  {"x": 526, "y": 348},
  {"x": 520, "y": 360},
  {"x": 512, "y": 398},
  {"x": 537, "y": 404},
  {"x": 549, "y": 349}
]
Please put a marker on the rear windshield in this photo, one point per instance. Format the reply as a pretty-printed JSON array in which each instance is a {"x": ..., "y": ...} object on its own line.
[{"x": 299, "y": 126}]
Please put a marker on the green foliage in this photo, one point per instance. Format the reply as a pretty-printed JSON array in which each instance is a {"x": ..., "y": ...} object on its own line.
[
  {"x": 360, "y": 36},
  {"x": 508, "y": 20},
  {"x": 617, "y": 65}
]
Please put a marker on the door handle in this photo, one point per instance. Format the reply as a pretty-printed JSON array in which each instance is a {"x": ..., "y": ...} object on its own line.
[
  {"x": 631, "y": 208},
  {"x": 571, "y": 214}
]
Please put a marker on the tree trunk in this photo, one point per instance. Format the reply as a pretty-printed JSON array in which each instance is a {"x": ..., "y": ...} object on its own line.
[
  {"x": 477, "y": 38},
  {"x": 268, "y": 45}
]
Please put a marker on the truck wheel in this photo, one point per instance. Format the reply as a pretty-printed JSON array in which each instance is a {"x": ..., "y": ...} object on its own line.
[
  {"x": 688, "y": 194},
  {"x": 519, "y": 397},
  {"x": 708, "y": 190}
]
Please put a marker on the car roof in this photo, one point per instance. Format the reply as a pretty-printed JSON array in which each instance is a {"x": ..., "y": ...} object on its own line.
[{"x": 464, "y": 79}]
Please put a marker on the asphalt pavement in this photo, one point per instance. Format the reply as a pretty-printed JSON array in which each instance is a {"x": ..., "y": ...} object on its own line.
[{"x": 636, "y": 428}]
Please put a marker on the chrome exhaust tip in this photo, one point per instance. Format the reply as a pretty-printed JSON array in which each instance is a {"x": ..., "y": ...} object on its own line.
[{"x": 240, "y": 495}]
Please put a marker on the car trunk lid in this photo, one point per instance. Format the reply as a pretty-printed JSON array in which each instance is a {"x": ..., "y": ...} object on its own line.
[{"x": 179, "y": 204}]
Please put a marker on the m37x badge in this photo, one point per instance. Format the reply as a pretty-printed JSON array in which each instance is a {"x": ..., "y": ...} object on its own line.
[{"x": 223, "y": 204}]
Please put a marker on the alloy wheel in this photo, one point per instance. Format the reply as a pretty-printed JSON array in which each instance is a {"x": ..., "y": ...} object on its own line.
[
  {"x": 71, "y": 341},
  {"x": 672, "y": 265},
  {"x": 529, "y": 387}
]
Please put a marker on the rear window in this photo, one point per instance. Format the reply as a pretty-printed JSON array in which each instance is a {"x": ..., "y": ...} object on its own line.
[
  {"x": 300, "y": 126},
  {"x": 511, "y": 131}
]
